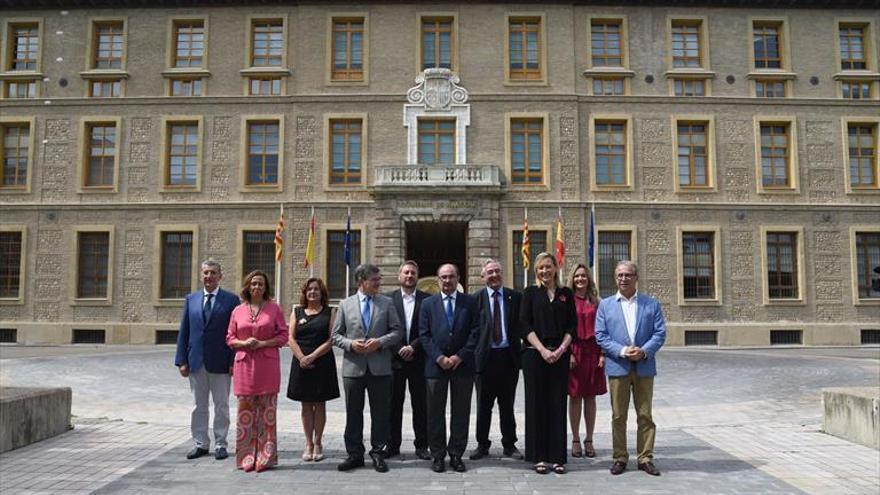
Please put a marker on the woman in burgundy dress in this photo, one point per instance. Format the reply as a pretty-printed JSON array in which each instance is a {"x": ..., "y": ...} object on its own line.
[{"x": 586, "y": 378}]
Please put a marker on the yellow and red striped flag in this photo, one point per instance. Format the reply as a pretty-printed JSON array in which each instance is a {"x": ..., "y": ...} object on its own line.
[
  {"x": 310, "y": 246},
  {"x": 526, "y": 246},
  {"x": 279, "y": 237},
  {"x": 560, "y": 243}
]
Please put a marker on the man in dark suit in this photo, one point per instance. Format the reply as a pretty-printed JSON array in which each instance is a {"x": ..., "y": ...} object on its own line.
[
  {"x": 203, "y": 357},
  {"x": 497, "y": 360},
  {"x": 448, "y": 328},
  {"x": 367, "y": 329},
  {"x": 409, "y": 363}
]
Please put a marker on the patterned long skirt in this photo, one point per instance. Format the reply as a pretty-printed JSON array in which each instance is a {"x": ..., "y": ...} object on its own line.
[{"x": 256, "y": 440}]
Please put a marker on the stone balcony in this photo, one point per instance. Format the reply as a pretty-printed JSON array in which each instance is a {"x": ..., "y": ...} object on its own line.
[{"x": 438, "y": 178}]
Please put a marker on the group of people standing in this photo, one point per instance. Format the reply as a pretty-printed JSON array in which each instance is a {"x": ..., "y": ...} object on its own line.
[{"x": 439, "y": 347}]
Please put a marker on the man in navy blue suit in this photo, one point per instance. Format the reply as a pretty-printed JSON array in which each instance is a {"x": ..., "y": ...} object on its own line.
[
  {"x": 204, "y": 358},
  {"x": 448, "y": 328}
]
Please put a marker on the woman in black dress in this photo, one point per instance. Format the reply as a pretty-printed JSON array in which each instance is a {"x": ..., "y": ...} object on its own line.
[
  {"x": 549, "y": 322},
  {"x": 313, "y": 371}
]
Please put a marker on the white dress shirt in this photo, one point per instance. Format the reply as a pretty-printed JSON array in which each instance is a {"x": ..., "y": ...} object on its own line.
[
  {"x": 491, "y": 293},
  {"x": 630, "y": 308},
  {"x": 409, "y": 307}
]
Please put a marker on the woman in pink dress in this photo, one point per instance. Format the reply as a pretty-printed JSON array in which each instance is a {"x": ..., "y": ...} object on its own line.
[
  {"x": 586, "y": 378},
  {"x": 256, "y": 330}
]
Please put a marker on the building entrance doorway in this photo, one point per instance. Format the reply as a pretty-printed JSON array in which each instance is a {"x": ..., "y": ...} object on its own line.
[{"x": 432, "y": 244}]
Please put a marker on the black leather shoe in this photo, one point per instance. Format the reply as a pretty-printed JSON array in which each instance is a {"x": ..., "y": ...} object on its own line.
[
  {"x": 649, "y": 468},
  {"x": 379, "y": 462},
  {"x": 350, "y": 463},
  {"x": 513, "y": 453},
  {"x": 389, "y": 453},
  {"x": 439, "y": 465},
  {"x": 423, "y": 454},
  {"x": 618, "y": 467},
  {"x": 221, "y": 453},
  {"x": 457, "y": 464},
  {"x": 196, "y": 452},
  {"x": 479, "y": 452}
]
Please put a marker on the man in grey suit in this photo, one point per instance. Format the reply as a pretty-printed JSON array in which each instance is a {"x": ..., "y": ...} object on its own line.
[{"x": 367, "y": 329}]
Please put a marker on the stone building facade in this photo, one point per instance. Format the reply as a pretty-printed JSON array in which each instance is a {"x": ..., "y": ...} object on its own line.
[{"x": 140, "y": 141}]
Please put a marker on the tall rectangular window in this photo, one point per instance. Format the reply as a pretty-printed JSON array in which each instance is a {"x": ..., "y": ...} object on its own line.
[
  {"x": 336, "y": 262},
  {"x": 345, "y": 151},
  {"x": 105, "y": 88},
  {"x": 437, "y": 42},
  {"x": 525, "y": 48},
  {"x": 20, "y": 90},
  {"x": 686, "y": 44},
  {"x": 862, "y": 144},
  {"x": 769, "y": 88},
  {"x": 186, "y": 86},
  {"x": 109, "y": 45},
  {"x": 698, "y": 265},
  {"x": 189, "y": 43},
  {"x": 15, "y": 154},
  {"x": 766, "y": 42},
  {"x": 182, "y": 161},
  {"x": 263, "y": 142},
  {"x": 259, "y": 253},
  {"x": 10, "y": 264},
  {"x": 267, "y": 43},
  {"x": 24, "y": 47},
  {"x": 100, "y": 161},
  {"x": 348, "y": 50},
  {"x": 436, "y": 142},
  {"x": 782, "y": 269},
  {"x": 775, "y": 156},
  {"x": 867, "y": 261},
  {"x": 606, "y": 42},
  {"x": 537, "y": 244},
  {"x": 93, "y": 264},
  {"x": 693, "y": 154},
  {"x": 611, "y": 153},
  {"x": 852, "y": 47},
  {"x": 614, "y": 246},
  {"x": 527, "y": 151},
  {"x": 176, "y": 264}
]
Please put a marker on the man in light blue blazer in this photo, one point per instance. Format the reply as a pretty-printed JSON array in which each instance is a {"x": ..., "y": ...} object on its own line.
[
  {"x": 630, "y": 329},
  {"x": 204, "y": 358}
]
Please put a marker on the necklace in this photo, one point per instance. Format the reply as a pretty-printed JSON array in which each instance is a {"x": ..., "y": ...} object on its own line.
[{"x": 254, "y": 315}]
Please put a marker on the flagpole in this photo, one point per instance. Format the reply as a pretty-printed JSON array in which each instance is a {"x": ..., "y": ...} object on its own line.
[
  {"x": 525, "y": 268},
  {"x": 348, "y": 254},
  {"x": 279, "y": 259},
  {"x": 311, "y": 262}
]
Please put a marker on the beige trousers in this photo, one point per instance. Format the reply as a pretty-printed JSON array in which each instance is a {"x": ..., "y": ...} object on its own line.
[{"x": 642, "y": 388}]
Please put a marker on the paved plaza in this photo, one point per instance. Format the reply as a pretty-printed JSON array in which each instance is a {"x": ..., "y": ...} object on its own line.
[{"x": 729, "y": 421}]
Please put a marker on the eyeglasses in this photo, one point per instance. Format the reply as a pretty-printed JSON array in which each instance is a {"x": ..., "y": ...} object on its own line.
[{"x": 625, "y": 276}]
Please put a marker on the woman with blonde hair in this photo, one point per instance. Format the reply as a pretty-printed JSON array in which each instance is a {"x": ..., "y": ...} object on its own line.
[
  {"x": 586, "y": 378},
  {"x": 548, "y": 317}
]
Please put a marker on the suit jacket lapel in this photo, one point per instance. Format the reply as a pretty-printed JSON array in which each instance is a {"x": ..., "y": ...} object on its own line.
[{"x": 507, "y": 315}]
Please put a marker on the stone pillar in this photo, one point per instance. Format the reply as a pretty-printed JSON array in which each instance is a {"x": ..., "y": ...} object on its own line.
[
  {"x": 483, "y": 239},
  {"x": 388, "y": 238}
]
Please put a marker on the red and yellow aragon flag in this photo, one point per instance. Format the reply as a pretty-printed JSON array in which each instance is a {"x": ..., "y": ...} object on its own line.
[
  {"x": 526, "y": 246},
  {"x": 279, "y": 237},
  {"x": 560, "y": 243},
  {"x": 310, "y": 246}
]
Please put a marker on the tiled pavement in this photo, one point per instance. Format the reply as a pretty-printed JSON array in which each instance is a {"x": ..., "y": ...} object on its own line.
[{"x": 731, "y": 421}]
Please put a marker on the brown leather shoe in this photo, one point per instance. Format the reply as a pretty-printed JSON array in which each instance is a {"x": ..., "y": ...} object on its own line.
[
  {"x": 618, "y": 467},
  {"x": 649, "y": 468}
]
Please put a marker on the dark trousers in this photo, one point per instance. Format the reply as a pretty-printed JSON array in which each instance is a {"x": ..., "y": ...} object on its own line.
[
  {"x": 379, "y": 390},
  {"x": 414, "y": 373},
  {"x": 460, "y": 389},
  {"x": 497, "y": 382},
  {"x": 546, "y": 412}
]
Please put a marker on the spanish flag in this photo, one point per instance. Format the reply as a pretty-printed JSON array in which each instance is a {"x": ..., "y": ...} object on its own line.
[
  {"x": 279, "y": 238},
  {"x": 310, "y": 246},
  {"x": 560, "y": 243}
]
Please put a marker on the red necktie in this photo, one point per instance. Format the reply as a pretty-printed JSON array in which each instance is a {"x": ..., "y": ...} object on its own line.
[{"x": 496, "y": 318}]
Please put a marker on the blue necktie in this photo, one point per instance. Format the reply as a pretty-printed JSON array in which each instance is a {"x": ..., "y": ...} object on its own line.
[
  {"x": 449, "y": 313},
  {"x": 206, "y": 309},
  {"x": 366, "y": 315}
]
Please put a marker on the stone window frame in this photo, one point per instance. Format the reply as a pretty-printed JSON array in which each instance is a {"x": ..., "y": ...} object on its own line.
[
  {"x": 548, "y": 228},
  {"x": 711, "y": 162},
  {"x": 623, "y": 71},
  {"x": 6, "y": 73},
  {"x": 844, "y": 122},
  {"x": 328, "y": 153},
  {"x": 90, "y": 82},
  {"x": 32, "y": 148},
  {"x": 794, "y": 169},
  {"x": 784, "y": 73},
  {"x": 172, "y": 71},
  {"x": 22, "y": 273},
  {"x": 238, "y": 267},
  {"x": 715, "y": 230},
  {"x": 854, "y": 280},
  {"x": 7, "y": 90},
  {"x": 629, "y": 184},
  {"x": 85, "y": 124},
  {"x": 75, "y": 300},
  {"x": 203, "y": 81},
  {"x": 322, "y": 249},
  {"x": 541, "y": 17},
  {"x": 158, "y": 231},
  {"x": 704, "y": 71},
  {"x": 438, "y": 15},
  {"x": 265, "y": 71},
  {"x": 871, "y": 73},
  {"x": 786, "y": 86},
  {"x": 332, "y": 17},
  {"x": 671, "y": 81},
  {"x": 545, "y": 145},
  {"x": 873, "y": 94},
  {"x": 243, "y": 150},
  {"x": 164, "y": 163},
  {"x": 801, "y": 300},
  {"x": 633, "y": 245}
]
